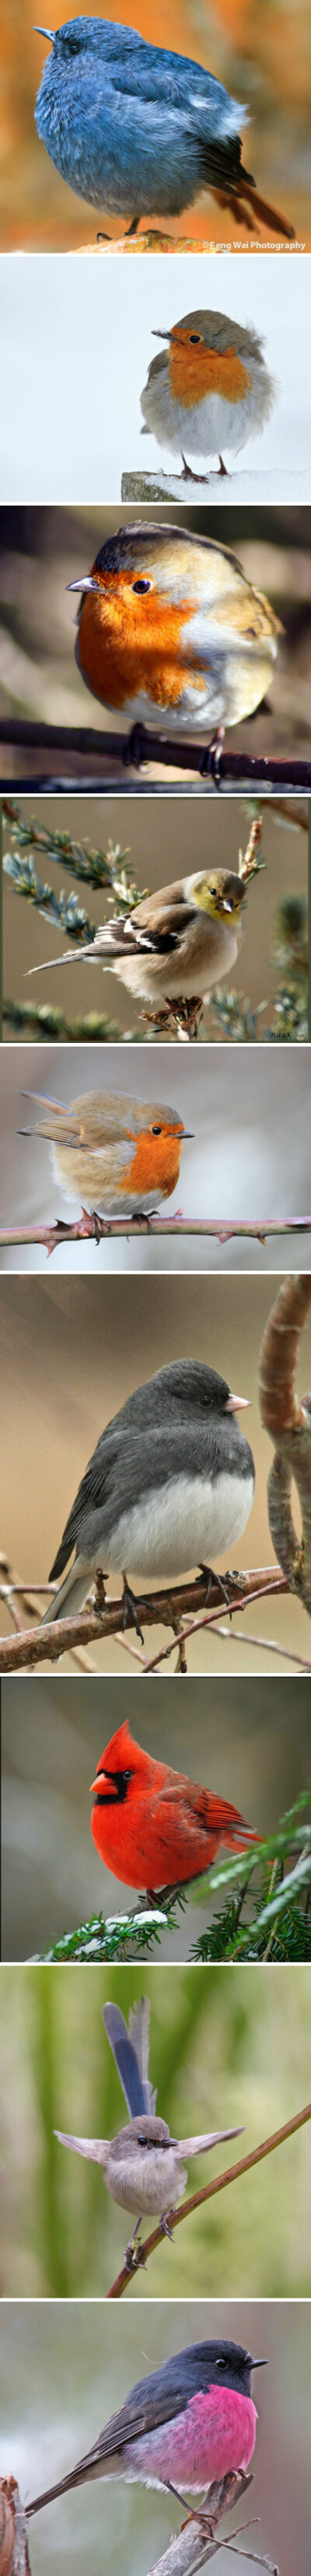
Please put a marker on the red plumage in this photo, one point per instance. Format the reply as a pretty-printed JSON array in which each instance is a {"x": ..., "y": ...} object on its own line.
[{"x": 152, "y": 1826}]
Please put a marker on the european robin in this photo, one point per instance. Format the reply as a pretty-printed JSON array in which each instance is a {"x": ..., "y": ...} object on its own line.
[
  {"x": 171, "y": 632},
  {"x": 115, "y": 1153},
  {"x": 170, "y": 1483},
  {"x": 178, "y": 942},
  {"x": 189, "y": 2422},
  {"x": 209, "y": 388},
  {"x": 144, "y": 2168},
  {"x": 139, "y": 130}
]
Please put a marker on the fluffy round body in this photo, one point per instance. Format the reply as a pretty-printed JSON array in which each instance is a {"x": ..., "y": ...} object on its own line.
[
  {"x": 169, "y": 1485},
  {"x": 178, "y": 941},
  {"x": 189, "y": 2422},
  {"x": 209, "y": 389},
  {"x": 152, "y": 1825},
  {"x": 169, "y": 627},
  {"x": 114, "y": 1153},
  {"x": 131, "y": 126},
  {"x": 147, "y": 2177}
]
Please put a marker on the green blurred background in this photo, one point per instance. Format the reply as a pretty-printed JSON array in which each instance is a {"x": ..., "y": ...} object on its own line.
[
  {"x": 227, "y": 2046},
  {"x": 246, "y": 1740},
  {"x": 62, "y": 2373}
]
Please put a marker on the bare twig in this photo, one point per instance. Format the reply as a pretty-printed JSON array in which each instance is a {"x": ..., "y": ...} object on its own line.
[
  {"x": 41, "y": 1645},
  {"x": 197, "y": 2542},
  {"x": 290, "y": 1426},
  {"x": 133, "y": 749},
  {"x": 14, "y": 2559},
  {"x": 94, "y": 1228},
  {"x": 209, "y": 2192}
]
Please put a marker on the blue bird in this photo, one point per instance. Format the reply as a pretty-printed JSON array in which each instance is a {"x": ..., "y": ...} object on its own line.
[{"x": 139, "y": 130}]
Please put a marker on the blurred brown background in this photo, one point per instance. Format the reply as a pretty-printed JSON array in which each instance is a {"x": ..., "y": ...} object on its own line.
[
  {"x": 261, "y": 56},
  {"x": 72, "y": 1350},
  {"x": 248, "y": 1741},
  {"x": 64, "y": 2370},
  {"x": 247, "y": 1155},
  {"x": 163, "y": 843},
  {"x": 42, "y": 550}
]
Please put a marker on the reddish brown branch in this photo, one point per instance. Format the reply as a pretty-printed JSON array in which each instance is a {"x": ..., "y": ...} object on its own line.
[
  {"x": 14, "y": 2559},
  {"x": 94, "y": 1228},
  {"x": 289, "y": 1423},
  {"x": 39, "y": 1645},
  {"x": 210, "y": 2190}
]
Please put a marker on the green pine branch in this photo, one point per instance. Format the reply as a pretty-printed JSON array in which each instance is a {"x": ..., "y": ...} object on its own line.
[{"x": 274, "y": 1923}]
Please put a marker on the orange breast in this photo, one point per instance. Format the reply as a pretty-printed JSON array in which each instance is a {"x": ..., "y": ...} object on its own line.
[
  {"x": 155, "y": 1165},
  {"x": 130, "y": 643},
  {"x": 196, "y": 372}
]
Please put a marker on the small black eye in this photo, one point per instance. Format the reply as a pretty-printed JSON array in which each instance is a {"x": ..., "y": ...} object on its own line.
[
  {"x": 141, "y": 585},
  {"x": 195, "y": 337},
  {"x": 156, "y": 1131},
  {"x": 142, "y": 2142}
]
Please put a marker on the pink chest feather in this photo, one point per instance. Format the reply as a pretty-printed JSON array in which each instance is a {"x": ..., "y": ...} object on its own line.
[{"x": 216, "y": 2432}]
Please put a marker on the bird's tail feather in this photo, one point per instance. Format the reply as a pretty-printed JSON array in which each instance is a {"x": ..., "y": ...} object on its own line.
[
  {"x": 74, "y": 1589},
  {"x": 267, "y": 214},
  {"x": 134, "y": 2085},
  {"x": 139, "y": 2019}
]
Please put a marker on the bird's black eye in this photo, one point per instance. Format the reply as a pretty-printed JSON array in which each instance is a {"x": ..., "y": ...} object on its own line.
[
  {"x": 141, "y": 585},
  {"x": 156, "y": 1131},
  {"x": 142, "y": 2142},
  {"x": 195, "y": 337}
]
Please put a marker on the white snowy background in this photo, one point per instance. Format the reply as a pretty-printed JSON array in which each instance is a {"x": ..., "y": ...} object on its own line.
[{"x": 84, "y": 327}]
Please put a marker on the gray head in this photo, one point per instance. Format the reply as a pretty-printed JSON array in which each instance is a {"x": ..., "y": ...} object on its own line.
[
  {"x": 147, "y": 2132},
  {"x": 214, "y": 331}
]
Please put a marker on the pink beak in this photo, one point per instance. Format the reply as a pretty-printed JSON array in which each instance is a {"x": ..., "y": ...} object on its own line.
[{"x": 237, "y": 1403}]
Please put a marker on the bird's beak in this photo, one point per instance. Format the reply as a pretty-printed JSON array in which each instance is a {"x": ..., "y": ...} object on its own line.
[
  {"x": 160, "y": 335},
  {"x": 86, "y": 583},
  {"x": 236, "y": 1404},
  {"x": 187, "y": 1135},
  {"x": 260, "y": 2365},
  {"x": 49, "y": 32}
]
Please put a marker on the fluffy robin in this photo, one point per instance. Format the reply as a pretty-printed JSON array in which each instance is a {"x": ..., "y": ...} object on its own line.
[
  {"x": 139, "y": 130},
  {"x": 169, "y": 628},
  {"x": 155, "y": 1828},
  {"x": 170, "y": 1483},
  {"x": 178, "y": 942},
  {"x": 208, "y": 389},
  {"x": 186, "y": 2424},
  {"x": 144, "y": 2168},
  {"x": 115, "y": 1153}
]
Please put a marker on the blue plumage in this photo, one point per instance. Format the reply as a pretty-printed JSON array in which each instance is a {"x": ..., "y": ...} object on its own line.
[{"x": 132, "y": 127}]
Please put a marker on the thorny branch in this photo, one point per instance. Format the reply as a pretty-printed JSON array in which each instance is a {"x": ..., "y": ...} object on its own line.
[
  {"x": 94, "y": 1228},
  {"x": 289, "y": 1423},
  {"x": 209, "y": 2192},
  {"x": 39, "y": 1645}
]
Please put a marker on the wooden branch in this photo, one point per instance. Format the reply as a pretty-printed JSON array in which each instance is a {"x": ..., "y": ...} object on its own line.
[
  {"x": 209, "y": 2192},
  {"x": 289, "y": 1424},
  {"x": 195, "y": 2544},
  {"x": 39, "y": 1645},
  {"x": 94, "y": 1228},
  {"x": 14, "y": 2558},
  {"x": 237, "y": 767}
]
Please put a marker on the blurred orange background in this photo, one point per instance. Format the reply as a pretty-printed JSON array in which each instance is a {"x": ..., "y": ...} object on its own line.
[{"x": 263, "y": 58}]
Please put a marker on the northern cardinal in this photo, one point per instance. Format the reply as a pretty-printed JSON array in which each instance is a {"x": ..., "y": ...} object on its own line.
[
  {"x": 155, "y": 1828},
  {"x": 143, "y": 2166},
  {"x": 191, "y": 2421}
]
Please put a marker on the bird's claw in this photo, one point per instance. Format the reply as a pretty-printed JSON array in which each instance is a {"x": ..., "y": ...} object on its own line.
[
  {"x": 211, "y": 757},
  {"x": 134, "y": 751},
  {"x": 134, "y": 2260},
  {"x": 165, "y": 2229},
  {"x": 130, "y": 1610}
]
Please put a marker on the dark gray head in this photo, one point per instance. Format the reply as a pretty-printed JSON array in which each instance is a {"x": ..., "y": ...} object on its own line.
[{"x": 228, "y": 2365}]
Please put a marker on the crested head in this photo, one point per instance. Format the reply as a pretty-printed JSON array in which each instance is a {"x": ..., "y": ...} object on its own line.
[
  {"x": 216, "y": 891},
  {"x": 121, "y": 1756}
]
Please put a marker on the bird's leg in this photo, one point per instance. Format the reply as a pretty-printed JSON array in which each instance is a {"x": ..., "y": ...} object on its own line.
[
  {"x": 131, "y": 229},
  {"x": 187, "y": 1014},
  {"x": 193, "y": 2512},
  {"x": 224, "y": 1582},
  {"x": 209, "y": 763},
  {"x": 157, "y": 1019},
  {"x": 134, "y": 747},
  {"x": 165, "y": 1895},
  {"x": 188, "y": 476},
  {"x": 103, "y": 237},
  {"x": 223, "y": 469},
  {"x": 130, "y": 1609},
  {"x": 165, "y": 2229},
  {"x": 134, "y": 2254}
]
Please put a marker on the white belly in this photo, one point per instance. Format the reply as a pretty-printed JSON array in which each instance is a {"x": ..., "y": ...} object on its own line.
[{"x": 180, "y": 1525}]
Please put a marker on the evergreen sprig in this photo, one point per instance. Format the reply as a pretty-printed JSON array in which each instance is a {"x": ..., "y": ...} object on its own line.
[{"x": 279, "y": 1920}]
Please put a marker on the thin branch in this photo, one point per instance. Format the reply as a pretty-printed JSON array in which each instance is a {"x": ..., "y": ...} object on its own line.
[
  {"x": 209, "y": 2192},
  {"x": 94, "y": 1228},
  {"x": 138, "y": 746},
  {"x": 208, "y": 1620},
  {"x": 289, "y": 1424},
  {"x": 269, "y": 1646},
  {"x": 39, "y": 1645},
  {"x": 194, "y": 2545}
]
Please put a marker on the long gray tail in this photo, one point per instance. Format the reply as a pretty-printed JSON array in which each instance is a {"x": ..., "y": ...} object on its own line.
[
  {"x": 131, "y": 2063},
  {"x": 74, "y": 1589},
  {"x": 69, "y": 956}
]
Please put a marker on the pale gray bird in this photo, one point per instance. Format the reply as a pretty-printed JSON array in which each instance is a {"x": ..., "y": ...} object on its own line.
[{"x": 144, "y": 2167}]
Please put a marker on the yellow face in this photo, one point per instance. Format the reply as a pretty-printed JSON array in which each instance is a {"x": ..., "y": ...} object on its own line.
[{"x": 219, "y": 893}]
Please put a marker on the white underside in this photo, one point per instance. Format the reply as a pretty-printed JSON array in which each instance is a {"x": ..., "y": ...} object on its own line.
[
  {"x": 179, "y": 1525},
  {"x": 209, "y": 426},
  {"x": 136, "y": 2475},
  {"x": 156, "y": 978}
]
